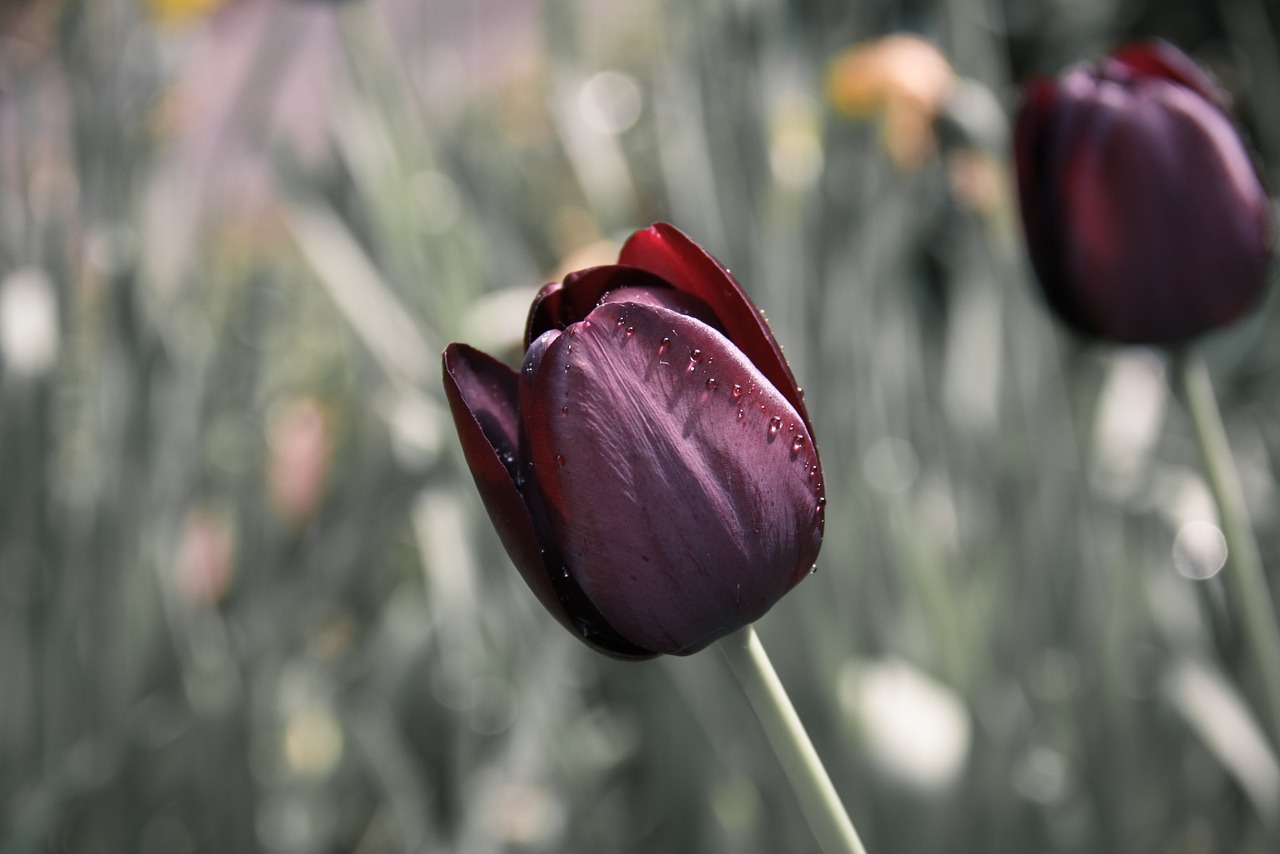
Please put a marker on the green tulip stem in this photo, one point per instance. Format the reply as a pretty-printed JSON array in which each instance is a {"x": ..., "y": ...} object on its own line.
[
  {"x": 818, "y": 799},
  {"x": 1244, "y": 578}
]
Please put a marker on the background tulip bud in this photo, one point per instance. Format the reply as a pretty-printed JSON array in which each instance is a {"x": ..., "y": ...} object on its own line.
[
  {"x": 1145, "y": 218},
  {"x": 651, "y": 470}
]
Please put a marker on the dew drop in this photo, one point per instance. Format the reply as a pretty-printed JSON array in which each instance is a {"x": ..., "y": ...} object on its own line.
[
  {"x": 813, "y": 569},
  {"x": 813, "y": 472},
  {"x": 796, "y": 444},
  {"x": 569, "y": 350},
  {"x": 800, "y": 392},
  {"x": 560, "y": 460},
  {"x": 822, "y": 501},
  {"x": 664, "y": 346},
  {"x": 711, "y": 383},
  {"x": 564, "y": 571},
  {"x": 631, "y": 330},
  {"x": 737, "y": 391},
  {"x": 741, "y": 415},
  {"x": 774, "y": 424},
  {"x": 622, "y": 320},
  {"x": 695, "y": 355},
  {"x": 564, "y": 410}
]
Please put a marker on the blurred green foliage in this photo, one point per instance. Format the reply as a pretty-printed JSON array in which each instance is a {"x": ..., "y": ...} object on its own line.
[{"x": 249, "y": 599}]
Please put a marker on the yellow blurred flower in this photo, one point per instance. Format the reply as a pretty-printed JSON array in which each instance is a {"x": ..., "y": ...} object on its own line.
[
  {"x": 180, "y": 11},
  {"x": 902, "y": 79}
]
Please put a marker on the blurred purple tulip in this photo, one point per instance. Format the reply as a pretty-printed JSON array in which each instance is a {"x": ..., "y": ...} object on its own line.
[
  {"x": 1145, "y": 218},
  {"x": 652, "y": 470}
]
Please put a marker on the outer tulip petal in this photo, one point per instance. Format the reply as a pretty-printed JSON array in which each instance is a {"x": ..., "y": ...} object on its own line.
[
  {"x": 682, "y": 487},
  {"x": 1035, "y": 158},
  {"x": 482, "y": 396},
  {"x": 666, "y": 251},
  {"x": 584, "y": 619}
]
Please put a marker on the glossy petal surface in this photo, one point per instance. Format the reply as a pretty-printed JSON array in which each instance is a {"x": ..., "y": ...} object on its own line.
[
  {"x": 682, "y": 488},
  {"x": 666, "y": 251}
]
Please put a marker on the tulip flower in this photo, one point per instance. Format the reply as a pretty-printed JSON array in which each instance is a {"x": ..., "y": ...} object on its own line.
[
  {"x": 1145, "y": 218},
  {"x": 651, "y": 470}
]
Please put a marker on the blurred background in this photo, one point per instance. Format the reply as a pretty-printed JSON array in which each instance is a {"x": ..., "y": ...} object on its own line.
[{"x": 250, "y": 600}]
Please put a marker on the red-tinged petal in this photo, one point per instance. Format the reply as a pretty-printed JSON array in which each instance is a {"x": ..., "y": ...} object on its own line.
[
  {"x": 558, "y": 305},
  {"x": 666, "y": 251},
  {"x": 682, "y": 488},
  {"x": 482, "y": 396},
  {"x": 1162, "y": 60}
]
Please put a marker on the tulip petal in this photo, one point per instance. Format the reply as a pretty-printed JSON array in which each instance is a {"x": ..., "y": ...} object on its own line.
[
  {"x": 482, "y": 395},
  {"x": 1162, "y": 60},
  {"x": 666, "y": 251},
  {"x": 559, "y": 304},
  {"x": 683, "y": 489},
  {"x": 585, "y": 620}
]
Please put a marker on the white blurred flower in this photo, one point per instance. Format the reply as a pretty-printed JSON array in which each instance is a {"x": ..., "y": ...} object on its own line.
[
  {"x": 1131, "y": 413},
  {"x": 28, "y": 323},
  {"x": 916, "y": 729}
]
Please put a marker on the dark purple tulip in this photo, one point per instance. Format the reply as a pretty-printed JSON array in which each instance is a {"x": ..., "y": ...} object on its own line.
[
  {"x": 1145, "y": 218},
  {"x": 651, "y": 471}
]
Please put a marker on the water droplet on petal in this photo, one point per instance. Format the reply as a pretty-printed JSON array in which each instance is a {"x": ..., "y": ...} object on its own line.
[
  {"x": 711, "y": 383},
  {"x": 737, "y": 391},
  {"x": 564, "y": 410},
  {"x": 774, "y": 424},
  {"x": 560, "y": 460},
  {"x": 797, "y": 443},
  {"x": 813, "y": 569},
  {"x": 695, "y": 356},
  {"x": 564, "y": 570},
  {"x": 664, "y": 346},
  {"x": 741, "y": 415},
  {"x": 631, "y": 330}
]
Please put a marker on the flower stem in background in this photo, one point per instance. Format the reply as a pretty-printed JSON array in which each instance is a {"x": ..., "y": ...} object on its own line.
[
  {"x": 1246, "y": 583},
  {"x": 822, "y": 806}
]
